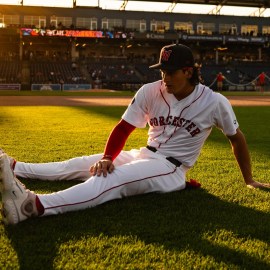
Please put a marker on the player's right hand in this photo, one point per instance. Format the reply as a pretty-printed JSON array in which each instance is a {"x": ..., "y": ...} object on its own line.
[{"x": 102, "y": 167}]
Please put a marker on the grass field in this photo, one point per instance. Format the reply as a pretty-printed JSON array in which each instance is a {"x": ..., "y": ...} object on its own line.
[{"x": 223, "y": 225}]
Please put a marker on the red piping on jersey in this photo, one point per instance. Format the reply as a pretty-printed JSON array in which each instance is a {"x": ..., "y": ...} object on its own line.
[
  {"x": 181, "y": 114},
  {"x": 105, "y": 191},
  {"x": 168, "y": 107},
  {"x": 168, "y": 111}
]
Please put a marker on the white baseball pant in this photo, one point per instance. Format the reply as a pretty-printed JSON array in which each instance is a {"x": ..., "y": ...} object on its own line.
[{"x": 136, "y": 172}]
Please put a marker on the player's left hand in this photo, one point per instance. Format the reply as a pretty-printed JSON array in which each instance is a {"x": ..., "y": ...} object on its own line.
[
  {"x": 102, "y": 167},
  {"x": 256, "y": 184}
]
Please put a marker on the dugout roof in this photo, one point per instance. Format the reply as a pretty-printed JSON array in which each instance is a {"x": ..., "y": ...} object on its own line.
[
  {"x": 244, "y": 3},
  {"x": 261, "y": 5}
]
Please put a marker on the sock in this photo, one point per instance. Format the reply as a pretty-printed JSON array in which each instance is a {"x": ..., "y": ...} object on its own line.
[
  {"x": 40, "y": 207},
  {"x": 13, "y": 164},
  {"x": 192, "y": 183}
]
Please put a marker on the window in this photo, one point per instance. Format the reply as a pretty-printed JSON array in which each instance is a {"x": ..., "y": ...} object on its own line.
[
  {"x": 266, "y": 30},
  {"x": 2, "y": 24},
  {"x": 136, "y": 25},
  {"x": 60, "y": 22},
  {"x": 36, "y": 21},
  {"x": 183, "y": 27},
  {"x": 142, "y": 26},
  {"x": 53, "y": 22},
  {"x": 205, "y": 28},
  {"x": 234, "y": 30},
  {"x": 200, "y": 28},
  {"x": 230, "y": 29},
  {"x": 133, "y": 25},
  {"x": 86, "y": 23},
  {"x": 105, "y": 24},
  {"x": 93, "y": 24},
  {"x": 153, "y": 26},
  {"x": 11, "y": 20},
  {"x": 250, "y": 30},
  {"x": 83, "y": 23},
  {"x": 159, "y": 26},
  {"x": 115, "y": 23},
  {"x": 111, "y": 24},
  {"x": 42, "y": 23}
]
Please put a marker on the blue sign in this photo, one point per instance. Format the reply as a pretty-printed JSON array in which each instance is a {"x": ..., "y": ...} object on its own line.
[{"x": 76, "y": 87}]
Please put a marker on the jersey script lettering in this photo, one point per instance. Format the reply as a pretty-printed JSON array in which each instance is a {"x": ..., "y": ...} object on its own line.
[{"x": 175, "y": 121}]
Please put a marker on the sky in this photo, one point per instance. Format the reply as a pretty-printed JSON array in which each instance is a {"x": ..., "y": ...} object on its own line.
[{"x": 142, "y": 6}]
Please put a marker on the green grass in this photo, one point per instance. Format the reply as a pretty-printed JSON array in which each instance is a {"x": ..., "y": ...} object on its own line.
[{"x": 223, "y": 225}]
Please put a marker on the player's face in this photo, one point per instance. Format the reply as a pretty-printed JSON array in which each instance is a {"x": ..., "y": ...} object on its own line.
[{"x": 177, "y": 82}]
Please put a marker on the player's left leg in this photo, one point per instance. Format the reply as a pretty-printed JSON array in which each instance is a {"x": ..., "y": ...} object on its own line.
[
  {"x": 18, "y": 203},
  {"x": 12, "y": 161},
  {"x": 73, "y": 169}
]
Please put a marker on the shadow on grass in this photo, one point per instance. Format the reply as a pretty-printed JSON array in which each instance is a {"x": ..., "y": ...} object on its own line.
[{"x": 177, "y": 221}]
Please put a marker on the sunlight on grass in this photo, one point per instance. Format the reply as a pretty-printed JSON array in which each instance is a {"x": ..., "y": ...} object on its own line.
[
  {"x": 223, "y": 225},
  {"x": 250, "y": 247},
  {"x": 8, "y": 256},
  {"x": 126, "y": 252},
  {"x": 43, "y": 132}
]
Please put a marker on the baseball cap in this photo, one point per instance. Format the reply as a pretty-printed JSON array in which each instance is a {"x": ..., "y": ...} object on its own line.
[{"x": 173, "y": 57}]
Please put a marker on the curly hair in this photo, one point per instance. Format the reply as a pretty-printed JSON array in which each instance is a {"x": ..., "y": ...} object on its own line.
[{"x": 196, "y": 77}]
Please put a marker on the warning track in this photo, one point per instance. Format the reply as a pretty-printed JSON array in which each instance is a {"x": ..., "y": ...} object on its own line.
[{"x": 263, "y": 100}]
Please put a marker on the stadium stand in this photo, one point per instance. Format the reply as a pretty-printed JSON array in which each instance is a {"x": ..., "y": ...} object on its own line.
[
  {"x": 55, "y": 72},
  {"x": 148, "y": 75},
  {"x": 10, "y": 72},
  {"x": 113, "y": 49}
]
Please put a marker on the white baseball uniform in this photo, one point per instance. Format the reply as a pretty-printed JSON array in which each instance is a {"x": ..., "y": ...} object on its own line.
[{"x": 177, "y": 129}]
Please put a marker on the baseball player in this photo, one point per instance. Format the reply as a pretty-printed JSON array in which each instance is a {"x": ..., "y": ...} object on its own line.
[
  {"x": 180, "y": 113},
  {"x": 220, "y": 79}
]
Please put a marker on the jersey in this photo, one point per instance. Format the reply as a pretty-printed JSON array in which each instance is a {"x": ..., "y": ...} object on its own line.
[
  {"x": 220, "y": 78},
  {"x": 262, "y": 78},
  {"x": 179, "y": 128}
]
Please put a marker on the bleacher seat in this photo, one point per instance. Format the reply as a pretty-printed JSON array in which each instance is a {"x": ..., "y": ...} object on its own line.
[
  {"x": 10, "y": 72},
  {"x": 52, "y": 72}
]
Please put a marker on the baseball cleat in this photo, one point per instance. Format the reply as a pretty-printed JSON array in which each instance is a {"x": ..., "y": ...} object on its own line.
[
  {"x": 12, "y": 161},
  {"x": 18, "y": 203}
]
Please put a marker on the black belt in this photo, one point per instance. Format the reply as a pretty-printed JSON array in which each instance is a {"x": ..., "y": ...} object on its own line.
[{"x": 174, "y": 161}]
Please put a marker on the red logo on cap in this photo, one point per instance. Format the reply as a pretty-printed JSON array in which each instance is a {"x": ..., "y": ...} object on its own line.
[{"x": 166, "y": 55}]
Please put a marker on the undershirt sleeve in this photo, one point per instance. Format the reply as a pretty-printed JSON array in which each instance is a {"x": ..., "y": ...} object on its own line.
[{"x": 117, "y": 139}]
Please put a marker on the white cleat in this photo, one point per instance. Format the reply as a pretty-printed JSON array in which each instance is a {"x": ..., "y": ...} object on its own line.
[
  {"x": 18, "y": 203},
  {"x": 12, "y": 161}
]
